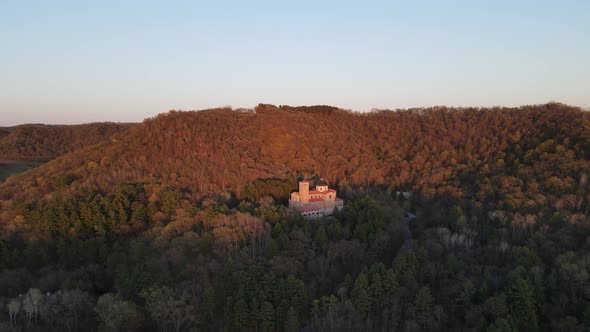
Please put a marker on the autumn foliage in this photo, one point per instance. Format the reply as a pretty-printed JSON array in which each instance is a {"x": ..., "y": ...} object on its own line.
[
  {"x": 180, "y": 223},
  {"x": 531, "y": 156},
  {"x": 44, "y": 142}
]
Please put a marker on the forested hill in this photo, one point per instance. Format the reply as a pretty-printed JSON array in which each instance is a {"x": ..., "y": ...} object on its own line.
[
  {"x": 444, "y": 151},
  {"x": 36, "y": 142},
  {"x": 180, "y": 224}
]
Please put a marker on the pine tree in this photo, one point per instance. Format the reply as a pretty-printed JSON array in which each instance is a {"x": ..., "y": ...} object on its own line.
[
  {"x": 390, "y": 282},
  {"x": 4, "y": 255},
  {"x": 376, "y": 286},
  {"x": 292, "y": 321},
  {"x": 138, "y": 212},
  {"x": 320, "y": 237},
  {"x": 523, "y": 304},
  {"x": 208, "y": 305},
  {"x": 267, "y": 316},
  {"x": 423, "y": 305},
  {"x": 465, "y": 297},
  {"x": 255, "y": 313},
  {"x": 361, "y": 296},
  {"x": 296, "y": 293},
  {"x": 240, "y": 314},
  {"x": 501, "y": 325}
]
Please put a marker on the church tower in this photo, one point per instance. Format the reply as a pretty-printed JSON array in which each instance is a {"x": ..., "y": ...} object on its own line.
[{"x": 304, "y": 191}]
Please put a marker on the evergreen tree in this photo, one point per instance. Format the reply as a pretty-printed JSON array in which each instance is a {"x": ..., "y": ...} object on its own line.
[
  {"x": 390, "y": 282},
  {"x": 267, "y": 316},
  {"x": 501, "y": 325},
  {"x": 208, "y": 304},
  {"x": 292, "y": 321},
  {"x": 523, "y": 304},
  {"x": 361, "y": 294},
  {"x": 423, "y": 303},
  {"x": 240, "y": 315}
]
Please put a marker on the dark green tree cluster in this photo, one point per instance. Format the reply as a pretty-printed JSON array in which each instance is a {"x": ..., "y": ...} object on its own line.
[{"x": 146, "y": 257}]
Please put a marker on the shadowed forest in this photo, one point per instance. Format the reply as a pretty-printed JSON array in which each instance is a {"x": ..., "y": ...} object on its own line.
[
  {"x": 37, "y": 142},
  {"x": 11, "y": 167},
  {"x": 179, "y": 223}
]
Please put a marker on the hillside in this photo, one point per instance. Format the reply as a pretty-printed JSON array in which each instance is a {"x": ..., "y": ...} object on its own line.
[
  {"x": 180, "y": 222},
  {"x": 36, "y": 142},
  {"x": 429, "y": 150}
]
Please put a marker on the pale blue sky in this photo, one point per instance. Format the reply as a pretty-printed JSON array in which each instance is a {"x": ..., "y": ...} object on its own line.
[{"x": 71, "y": 62}]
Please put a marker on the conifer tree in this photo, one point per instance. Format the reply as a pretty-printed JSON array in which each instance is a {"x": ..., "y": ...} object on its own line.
[
  {"x": 240, "y": 314},
  {"x": 423, "y": 305},
  {"x": 292, "y": 321},
  {"x": 361, "y": 295}
]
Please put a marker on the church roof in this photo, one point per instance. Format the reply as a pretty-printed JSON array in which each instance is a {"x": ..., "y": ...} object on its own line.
[
  {"x": 321, "y": 182},
  {"x": 317, "y": 192}
]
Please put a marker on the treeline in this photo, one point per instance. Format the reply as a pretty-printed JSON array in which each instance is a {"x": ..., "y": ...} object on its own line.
[{"x": 45, "y": 142}]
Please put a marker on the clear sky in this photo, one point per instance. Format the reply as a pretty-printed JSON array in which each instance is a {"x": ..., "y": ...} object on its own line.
[{"x": 82, "y": 61}]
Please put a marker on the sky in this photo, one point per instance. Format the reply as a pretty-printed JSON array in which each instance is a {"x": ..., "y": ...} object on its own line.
[{"x": 83, "y": 61}]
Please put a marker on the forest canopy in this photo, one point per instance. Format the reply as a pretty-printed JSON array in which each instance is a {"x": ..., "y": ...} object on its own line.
[
  {"x": 179, "y": 223},
  {"x": 35, "y": 142}
]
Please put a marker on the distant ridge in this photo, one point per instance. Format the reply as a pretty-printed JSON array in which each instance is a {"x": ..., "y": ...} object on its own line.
[{"x": 40, "y": 142}]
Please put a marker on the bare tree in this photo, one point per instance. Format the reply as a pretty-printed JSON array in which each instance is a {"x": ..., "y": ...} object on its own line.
[
  {"x": 117, "y": 314},
  {"x": 36, "y": 300},
  {"x": 167, "y": 306},
  {"x": 29, "y": 308},
  {"x": 77, "y": 304},
  {"x": 13, "y": 309}
]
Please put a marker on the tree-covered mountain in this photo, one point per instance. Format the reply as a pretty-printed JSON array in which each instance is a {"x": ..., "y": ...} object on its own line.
[
  {"x": 180, "y": 223},
  {"x": 430, "y": 150},
  {"x": 36, "y": 142}
]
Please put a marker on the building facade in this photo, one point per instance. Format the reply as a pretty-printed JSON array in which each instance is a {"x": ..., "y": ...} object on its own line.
[{"x": 316, "y": 203}]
